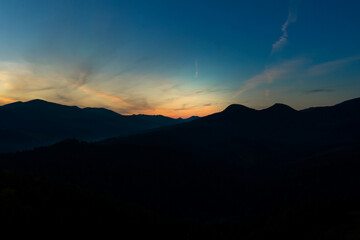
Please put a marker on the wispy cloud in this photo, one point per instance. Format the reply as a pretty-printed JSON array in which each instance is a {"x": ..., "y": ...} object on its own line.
[
  {"x": 319, "y": 90},
  {"x": 327, "y": 67},
  {"x": 299, "y": 67},
  {"x": 272, "y": 74},
  {"x": 292, "y": 17},
  {"x": 185, "y": 107},
  {"x": 105, "y": 95},
  {"x": 127, "y": 94}
]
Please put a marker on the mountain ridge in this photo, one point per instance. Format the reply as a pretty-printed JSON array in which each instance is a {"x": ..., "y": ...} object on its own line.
[
  {"x": 34, "y": 123},
  {"x": 24, "y": 125},
  {"x": 280, "y": 127},
  {"x": 221, "y": 165}
]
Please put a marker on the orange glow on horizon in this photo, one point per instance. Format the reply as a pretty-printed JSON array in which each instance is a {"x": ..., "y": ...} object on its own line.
[
  {"x": 200, "y": 112},
  {"x": 156, "y": 96},
  {"x": 168, "y": 111},
  {"x": 5, "y": 100}
]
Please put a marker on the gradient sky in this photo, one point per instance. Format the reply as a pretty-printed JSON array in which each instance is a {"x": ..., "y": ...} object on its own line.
[{"x": 180, "y": 58}]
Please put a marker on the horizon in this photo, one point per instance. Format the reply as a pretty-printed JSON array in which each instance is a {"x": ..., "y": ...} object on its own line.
[
  {"x": 258, "y": 109},
  {"x": 180, "y": 59}
]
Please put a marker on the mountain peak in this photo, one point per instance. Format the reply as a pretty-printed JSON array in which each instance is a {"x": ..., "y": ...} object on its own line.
[
  {"x": 37, "y": 101},
  {"x": 42, "y": 102},
  {"x": 21, "y": 103},
  {"x": 279, "y": 107},
  {"x": 237, "y": 108}
]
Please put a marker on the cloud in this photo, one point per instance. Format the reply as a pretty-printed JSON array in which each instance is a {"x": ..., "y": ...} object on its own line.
[
  {"x": 17, "y": 78},
  {"x": 319, "y": 90},
  {"x": 297, "y": 67},
  {"x": 184, "y": 107},
  {"x": 128, "y": 94},
  {"x": 271, "y": 74},
  {"x": 331, "y": 66},
  {"x": 292, "y": 17},
  {"x": 105, "y": 95},
  {"x": 22, "y": 80}
]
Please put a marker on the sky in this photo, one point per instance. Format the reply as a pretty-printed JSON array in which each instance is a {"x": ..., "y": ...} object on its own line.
[{"x": 180, "y": 58}]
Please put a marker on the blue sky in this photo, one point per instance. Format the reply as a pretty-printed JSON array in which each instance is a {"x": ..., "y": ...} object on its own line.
[{"x": 180, "y": 58}]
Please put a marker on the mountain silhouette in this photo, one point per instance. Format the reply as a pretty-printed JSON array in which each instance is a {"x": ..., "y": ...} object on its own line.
[
  {"x": 280, "y": 109},
  {"x": 24, "y": 125},
  {"x": 278, "y": 124},
  {"x": 272, "y": 172},
  {"x": 278, "y": 132}
]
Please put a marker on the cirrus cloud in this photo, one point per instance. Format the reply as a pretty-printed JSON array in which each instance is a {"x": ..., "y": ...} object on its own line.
[{"x": 271, "y": 74}]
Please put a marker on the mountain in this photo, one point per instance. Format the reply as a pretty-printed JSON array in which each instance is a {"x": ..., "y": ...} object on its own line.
[
  {"x": 24, "y": 125},
  {"x": 249, "y": 174},
  {"x": 278, "y": 129}
]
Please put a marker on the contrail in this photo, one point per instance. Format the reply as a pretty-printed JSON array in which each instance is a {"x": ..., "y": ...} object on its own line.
[
  {"x": 292, "y": 17},
  {"x": 196, "y": 69}
]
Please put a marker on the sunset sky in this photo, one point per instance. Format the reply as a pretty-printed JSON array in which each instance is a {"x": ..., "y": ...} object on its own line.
[{"x": 180, "y": 58}]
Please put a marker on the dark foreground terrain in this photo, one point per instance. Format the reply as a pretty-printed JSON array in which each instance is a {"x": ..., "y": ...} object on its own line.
[{"x": 237, "y": 174}]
